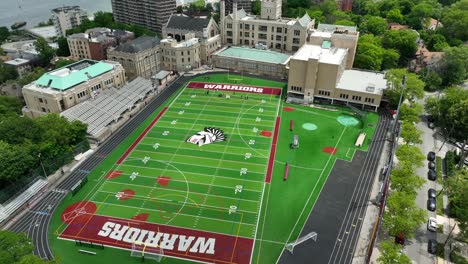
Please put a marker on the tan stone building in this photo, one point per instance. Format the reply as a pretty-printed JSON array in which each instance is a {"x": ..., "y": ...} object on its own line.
[
  {"x": 319, "y": 73},
  {"x": 180, "y": 56},
  {"x": 345, "y": 37},
  {"x": 181, "y": 27},
  {"x": 67, "y": 17},
  {"x": 63, "y": 88},
  {"x": 139, "y": 57},
  {"x": 269, "y": 30}
]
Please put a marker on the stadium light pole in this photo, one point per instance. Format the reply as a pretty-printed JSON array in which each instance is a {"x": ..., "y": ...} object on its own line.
[{"x": 42, "y": 165}]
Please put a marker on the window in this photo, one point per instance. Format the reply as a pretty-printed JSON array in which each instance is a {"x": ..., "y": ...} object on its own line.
[
  {"x": 246, "y": 42},
  {"x": 182, "y": 60},
  {"x": 182, "y": 53},
  {"x": 324, "y": 93},
  {"x": 240, "y": 26},
  {"x": 247, "y": 34},
  {"x": 263, "y": 28},
  {"x": 229, "y": 40},
  {"x": 297, "y": 32},
  {"x": 356, "y": 98},
  {"x": 279, "y": 30},
  {"x": 344, "y": 96},
  {"x": 81, "y": 94},
  {"x": 229, "y": 33},
  {"x": 296, "y": 88},
  {"x": 262, "y": 36},
  {"x": 369, "y": 100},
  {"x": 278, "y": 46},
  {"x": 188, "y": 52},
  {"x": 40, "y": 100},
  {"x": 247, "y": 26},
  {"x": 240, "y": 33},
  {"x": 296, "y": 40},
  {"x": 253, "y": 27},
  {"x": 278, "y": 38},
  {"x": 229, "y": 25},
  {"x": 43, "y": 109}
]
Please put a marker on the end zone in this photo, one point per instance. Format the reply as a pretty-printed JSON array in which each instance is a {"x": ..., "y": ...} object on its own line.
[{"x": 176, "y": 242}]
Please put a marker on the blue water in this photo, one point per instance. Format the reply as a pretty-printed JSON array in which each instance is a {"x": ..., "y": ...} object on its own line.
[{"x": 35, "y": 11}]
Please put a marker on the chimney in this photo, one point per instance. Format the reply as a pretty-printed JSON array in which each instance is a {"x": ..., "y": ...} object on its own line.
[{"x": 234, "y": 10}]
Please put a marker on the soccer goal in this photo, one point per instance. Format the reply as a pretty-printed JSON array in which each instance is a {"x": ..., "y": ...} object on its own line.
[
  {"x": 147, "y": 251},
  {"x": 234, "y": 76},
  {"x": 311, "y": 235}
]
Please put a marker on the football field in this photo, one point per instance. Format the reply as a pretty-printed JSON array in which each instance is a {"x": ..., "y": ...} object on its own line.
[{"x": 192, "y": 183}]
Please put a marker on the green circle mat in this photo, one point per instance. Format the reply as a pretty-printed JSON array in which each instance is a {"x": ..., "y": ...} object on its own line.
[
  {"x": 348, "y": 120},
  {"x": 309, "y": 126}
]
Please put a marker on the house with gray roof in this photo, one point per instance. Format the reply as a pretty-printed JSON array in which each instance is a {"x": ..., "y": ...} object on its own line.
[{"x": 139, "y": 57}]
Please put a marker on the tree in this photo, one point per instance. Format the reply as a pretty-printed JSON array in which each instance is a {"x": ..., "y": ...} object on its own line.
[
  {"x": 390, "y": 253},
  {"x": 103, "y": 19},
  {"x": 4, "y": 34},
  {"x": 432, "y": 80},
  {"x": 411, "y": 154},
  {"x": 403, "y": 179},
  {"x": 394, "y": 16},
  {"x": 369, "y": 53},
  {"x": 7, "y": 72},
  {"x": 390, "y": 59},
  {"x": 374, "y": 25},
  {"x": 410, "y": 133},
  {"x": 455, "y": 20},
  {"x": 450, "y": 113},
  {"x": 403, "y": 216},
  {"x": 32, "y": 76},
  {"x": 14, "y": 246},
  {"x": 19, "y": 130},
  {"x": 420, "y": 13},
  {"x": 63, "y": 49},
  {"x": 46, "y": 52},
  {"x": 256, "y": 7},
  {"x": 457, "y": 188},
  {"x": 433, "y": 40},
  {"x": 402, "y": 40},
  {"x": 410, "y": 112},
  {"x": 9, "y": 106},
  {"x": 453, "y": 67},
  {"x": 414, "y": 86}
]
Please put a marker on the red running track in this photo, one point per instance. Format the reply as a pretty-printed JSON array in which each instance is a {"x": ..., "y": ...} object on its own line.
[
  {"x": 141, "y": 136},
  {"x": 271, "y": 161}
]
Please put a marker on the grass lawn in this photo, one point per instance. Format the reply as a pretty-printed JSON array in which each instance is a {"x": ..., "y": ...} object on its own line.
[{"x": 220, "y": 188}]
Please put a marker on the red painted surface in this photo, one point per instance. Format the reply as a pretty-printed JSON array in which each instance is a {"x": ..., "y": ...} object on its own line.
[
  {"x": 288, "y": 109},
  {"x": 234, "y": 88},
  {"x": 113, "y": 174},
  {"x": 291, "y": 125},
  {"x": 227, "y": 249},
  {"x": 141, "y": 217},
  {"x": 141, "y": 136},
  {"x": 286, "y": 172},
  {"x": 79, "y": 212},
  {"x": 127, "y": 194},
  {"x": 271, "y": 160},
  {"x": 330, "y": 150},
  {"x": 266, "y": 133},
  {"x": 163, "y": 180}
]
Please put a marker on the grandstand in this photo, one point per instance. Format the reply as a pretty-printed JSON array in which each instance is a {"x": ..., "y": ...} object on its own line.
[
  {"x": 9, "y": 207},
  {"x": 108, "y": 106}
]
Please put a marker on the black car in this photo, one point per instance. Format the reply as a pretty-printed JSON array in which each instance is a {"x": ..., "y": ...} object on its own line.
[
  {"x": 431, "y": 193},
  {"x": 432, "y": 246},
  {"x": 431, "y": 204},
  {"x": 431, "y": 165},
  {"x": 431, "y": 175},
  {"x": 431, "y": 156}
]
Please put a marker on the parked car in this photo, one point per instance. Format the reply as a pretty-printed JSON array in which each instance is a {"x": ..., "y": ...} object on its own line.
[
  {"x": 431, "y": 175},
  {"x": 431, "y": 204},
  {"x": 431, "y": 156},
  {"x": 432, "y": 224},
  {"x": 431, "y": 193},
  {"x": 432, "y": 246},
  {"x": 431, "y": 165}
]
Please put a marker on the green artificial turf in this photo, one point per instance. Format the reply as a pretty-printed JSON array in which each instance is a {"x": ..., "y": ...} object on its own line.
[{"x": 214, "y": 170}]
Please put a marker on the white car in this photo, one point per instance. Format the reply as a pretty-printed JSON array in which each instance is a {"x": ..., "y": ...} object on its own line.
[{"x": 432, "y": 224}]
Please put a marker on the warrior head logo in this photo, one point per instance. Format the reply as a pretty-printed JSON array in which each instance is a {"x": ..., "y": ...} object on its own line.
[{"x": 207, "y": 136}]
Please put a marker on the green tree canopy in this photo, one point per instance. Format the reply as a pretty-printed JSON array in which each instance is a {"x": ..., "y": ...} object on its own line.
[
  {"x": 453, "y": 67},
  {"x": 403, "y": 41},
  {"x": 46, "y": 52},
  {"x": 414, "y": 86},
  {"x": 14, "y": 246},
  {"x": 4, "y": 34},
  {"x": 410, "y": 133},
  {"x": 455, "y": 20},
  {"x": 256, "y": 7},
  {"x": 63, "y": 49},
  {"x": 410, "y": 154},
  {"x": 9, "y": 106},
  {"x": 7, "y": 72},
  {"x": 394, "y": 16},
  {"x": 457, "y": 188},
  {"x": 410, "y": 112},
  {"x": 403, "y": 179},
  {"x": 374, "y": 25},
  {"x": 390, "y": 253},
  {"x": 403, "y": 216}
]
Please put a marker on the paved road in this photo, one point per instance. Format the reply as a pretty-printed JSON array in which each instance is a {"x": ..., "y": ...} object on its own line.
[
  {"x": 339, "y": 211},
  {"x": 416, "y": 248}
]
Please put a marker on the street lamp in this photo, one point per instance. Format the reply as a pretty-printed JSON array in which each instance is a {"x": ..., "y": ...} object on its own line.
[{"x": 42, "y": 165}]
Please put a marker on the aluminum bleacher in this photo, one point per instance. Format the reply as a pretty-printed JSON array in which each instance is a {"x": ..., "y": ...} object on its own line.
[
  {"x": 9, "y": 207},
  {"x": 107, "y": 106}
]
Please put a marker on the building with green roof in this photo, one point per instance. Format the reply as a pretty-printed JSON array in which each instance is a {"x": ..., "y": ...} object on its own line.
[
  {"x": 252, "y": 60},
  {"x": 62, "y": 88}
]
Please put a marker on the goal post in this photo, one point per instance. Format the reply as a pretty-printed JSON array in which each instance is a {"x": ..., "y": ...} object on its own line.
[
  {"x": 311, "y": 235},
  {"x": 147, "y": 251}
]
